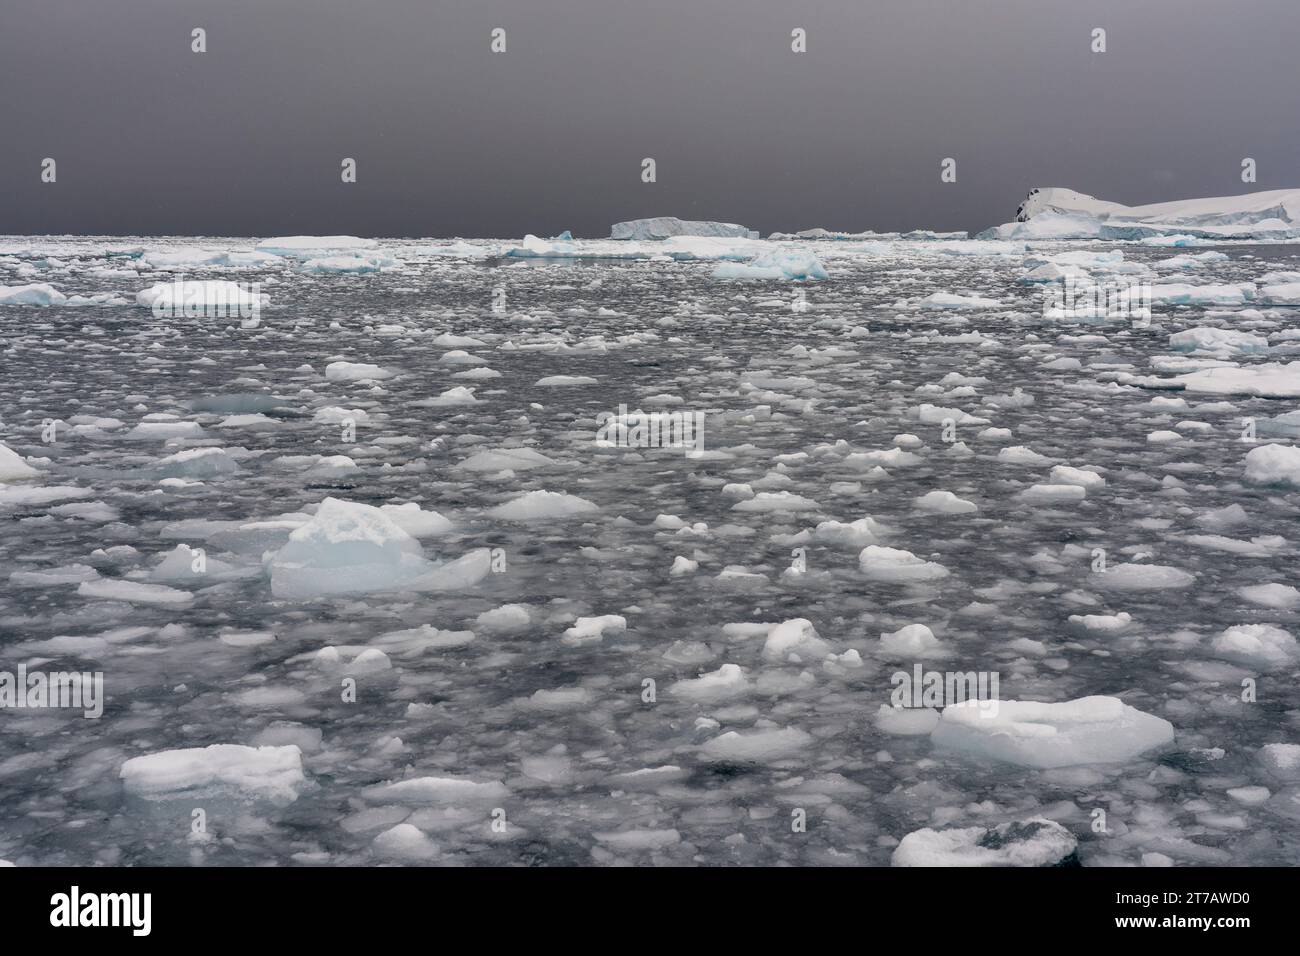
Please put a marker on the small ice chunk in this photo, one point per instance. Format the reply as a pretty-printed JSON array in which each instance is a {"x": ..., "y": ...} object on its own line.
[
  {"x": 756, "y": 746},
  {"x": 896, "y": 566},
  {"x": 542, "y": 505}
]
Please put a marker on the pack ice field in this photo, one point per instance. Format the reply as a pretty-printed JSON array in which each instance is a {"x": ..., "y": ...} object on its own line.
[{"x": 669, "y": 549}]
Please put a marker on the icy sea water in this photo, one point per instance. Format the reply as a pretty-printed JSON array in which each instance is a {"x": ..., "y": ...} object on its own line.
[{"x": 581, "y": 767}]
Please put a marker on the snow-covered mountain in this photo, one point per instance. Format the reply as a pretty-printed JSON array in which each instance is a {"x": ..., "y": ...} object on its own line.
[{"x": 1057, "y": 213}]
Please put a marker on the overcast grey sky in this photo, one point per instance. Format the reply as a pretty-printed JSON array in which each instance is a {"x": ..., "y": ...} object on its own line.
[{"x": 451, "y": 139}]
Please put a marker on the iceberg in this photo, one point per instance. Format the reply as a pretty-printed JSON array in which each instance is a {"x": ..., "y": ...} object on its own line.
[
  {"x": 313, "y": 246},
  {"x": 1057, "y": 213},
  {"x": 666, "y": 227}
]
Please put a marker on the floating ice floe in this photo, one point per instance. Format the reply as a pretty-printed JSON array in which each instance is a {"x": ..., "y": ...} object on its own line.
[
  {"x": 40, "y": 293},
  {"x": 202, "y": 298},
  {"x": 1274, "y": 465},
  {"x": 1266, "y": 380},
  {"x": 895, "y": 566},
  {"x": 756, "y": 746},
  {"x": 541, "y": 506},
  {"x": 355, "y": 372},
  {"x": 1090, "y": 730},
  {"x": 1265, "y": 646},
  {"x": 778, "y": 263},
  {"x": 1140, "y": 577},
  {"x": 13, "y": 467},
  {"x": 1223, "y": 341},
  {"x": 273, "y": 773},
  {"x": 1035, "y": 842},
  {"x": 353, "y": 548}
]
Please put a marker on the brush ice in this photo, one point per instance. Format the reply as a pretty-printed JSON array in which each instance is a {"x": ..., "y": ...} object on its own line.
[
  {"x": 726, "y": 682},
  {"x": 1034, "y": 842},
  {"x": 592, "y": 630},
  {"x": 274, "y": 773},
  {"x": 1267, "y": 380},
  {"x": 1090, "y": 730}
]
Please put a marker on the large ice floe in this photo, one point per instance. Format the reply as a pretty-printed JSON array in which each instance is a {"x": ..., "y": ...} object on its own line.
[
  {"x": 1092, "y": 730},
  {"x": 367, "y": 581}
]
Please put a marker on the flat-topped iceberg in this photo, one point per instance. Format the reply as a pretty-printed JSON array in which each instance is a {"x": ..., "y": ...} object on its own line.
[
  {"x": 666, "y": 227},
  {"x": 313, "y": 246},
  {"x": 1057, "y": 213}
]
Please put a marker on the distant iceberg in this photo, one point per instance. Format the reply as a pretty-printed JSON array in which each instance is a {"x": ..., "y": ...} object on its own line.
[
  {"x": 666, "y": 227},
  {"x": 828, "y": 234},
  {"x": 1057, "y": 213},
  {"x": 313, "y": 246}
]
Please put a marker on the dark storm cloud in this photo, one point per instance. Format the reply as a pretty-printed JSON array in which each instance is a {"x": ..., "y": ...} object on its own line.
[{"x": 451, "y": 139}]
